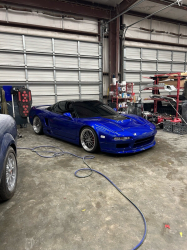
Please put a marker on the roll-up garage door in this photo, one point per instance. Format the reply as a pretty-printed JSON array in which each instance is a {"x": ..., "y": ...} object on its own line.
[
  {"x": 53, "y": 69},
  {"x": 141, "y": 63}
]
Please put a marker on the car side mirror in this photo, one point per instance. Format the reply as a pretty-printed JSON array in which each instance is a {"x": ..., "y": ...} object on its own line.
[{"x": 68, "y": 115}]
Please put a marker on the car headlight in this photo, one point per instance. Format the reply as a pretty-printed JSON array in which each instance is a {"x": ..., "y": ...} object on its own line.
[{"x": 121, "y": 138}]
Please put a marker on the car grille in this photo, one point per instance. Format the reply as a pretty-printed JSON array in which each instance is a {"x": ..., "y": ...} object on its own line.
[{"x": 143, "y": 142}]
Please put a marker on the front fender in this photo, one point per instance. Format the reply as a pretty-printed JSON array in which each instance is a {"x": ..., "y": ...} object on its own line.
[
  {"x": 7, "y": 140},
  {"x": 101, "y": 129},
  {"x": 37, "y": 112}
]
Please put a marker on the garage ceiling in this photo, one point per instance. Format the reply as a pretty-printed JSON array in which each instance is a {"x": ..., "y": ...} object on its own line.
[
  {"x": 106, "y": 2},
  {"x": 101, "y": 9},
  {"x": 148, "y": 7}
]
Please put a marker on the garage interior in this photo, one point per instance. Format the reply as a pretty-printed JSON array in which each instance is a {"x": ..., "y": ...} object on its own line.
[{"x": 64, "y": 50}]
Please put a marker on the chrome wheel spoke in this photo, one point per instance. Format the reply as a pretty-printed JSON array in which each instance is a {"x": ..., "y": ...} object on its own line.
[
  {"x": 11, "y": 172},
  {"x": 9, "y": 163},
  {"x": 37, "y": 125}
]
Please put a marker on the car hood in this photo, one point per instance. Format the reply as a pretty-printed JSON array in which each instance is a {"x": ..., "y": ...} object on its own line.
[{"x": 122, "y": 123}]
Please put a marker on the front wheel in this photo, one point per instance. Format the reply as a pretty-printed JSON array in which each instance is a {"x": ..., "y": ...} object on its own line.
[
  {"x": 37, "y": 125},
  {"x": 9, "y": 175},
  {"x": 88, "y": 139}
]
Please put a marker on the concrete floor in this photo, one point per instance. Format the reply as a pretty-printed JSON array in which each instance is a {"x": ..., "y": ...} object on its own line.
[{"x": 53, "y": 210}]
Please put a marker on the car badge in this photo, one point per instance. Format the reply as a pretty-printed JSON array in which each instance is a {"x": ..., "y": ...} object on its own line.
[{"x": 134, "y": 134}]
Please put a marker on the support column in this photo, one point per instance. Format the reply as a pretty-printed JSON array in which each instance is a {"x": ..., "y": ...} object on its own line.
[{"x": 114, "y": 48}]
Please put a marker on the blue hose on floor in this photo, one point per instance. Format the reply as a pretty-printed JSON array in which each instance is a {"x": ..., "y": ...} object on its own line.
[{"x": 84, "y": 158}]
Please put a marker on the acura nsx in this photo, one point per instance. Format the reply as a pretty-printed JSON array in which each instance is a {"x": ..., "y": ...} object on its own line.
[{"x": 93, "y": 125}]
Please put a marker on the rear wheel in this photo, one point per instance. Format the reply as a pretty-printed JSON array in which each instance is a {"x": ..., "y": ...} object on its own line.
[
  {"x": 37, "y": 125},
  {"x": 88, "y": 139},
  {"x": 9, "y": 175}
]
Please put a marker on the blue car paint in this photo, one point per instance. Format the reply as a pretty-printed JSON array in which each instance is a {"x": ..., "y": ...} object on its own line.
[
  {"x": 8, "y": 137},
  {"x": 68, "y": 129}
]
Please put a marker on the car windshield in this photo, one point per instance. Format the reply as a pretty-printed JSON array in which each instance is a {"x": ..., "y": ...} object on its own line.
[{"x": 93, "y": 109}]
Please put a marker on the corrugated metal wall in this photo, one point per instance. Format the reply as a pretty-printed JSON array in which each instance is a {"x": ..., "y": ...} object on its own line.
[
  {"x": 53, "y": 69},
  {"x": 155, "y": 30},
  {"x": 62, "y": 22},
  {"x": 141, "y": 63}
]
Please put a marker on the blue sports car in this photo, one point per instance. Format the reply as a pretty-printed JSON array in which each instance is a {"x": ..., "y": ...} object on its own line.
[
  {"x": 8, "y": 163},
  {"x": 93, "y": 125}
]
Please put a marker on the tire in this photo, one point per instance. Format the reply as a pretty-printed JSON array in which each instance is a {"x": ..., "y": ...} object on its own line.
[
  {"x": 9, "y": 175},
  {"x": 89, "y": 140},
  {"x": 37, "y": 125}
]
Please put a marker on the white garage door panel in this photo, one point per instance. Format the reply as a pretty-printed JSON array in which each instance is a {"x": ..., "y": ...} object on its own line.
[
  {"x": 68, "y": 89},
  {"x": 13, "y": 75},
  {"x": 89, "y": 76},
  {"x": 164, "y": 67},
  {"x": 51, "y": 67},
  {"x": 66, "y": 62},
  {"x": 67, "y": 97},
  {"x": 132, "y": 53},
  {"x": 90, "y": 97},
  {"x": 178, "y": 67},
  {"x": 42, "y": 100},
  {"x": 131, "y": 77},
  {"x": 38, "y": 44},
  {"x": 132, "y": 65},
  {"x": 178, "y": 56},
  {"x": 12, "y": 59},
  {"x": 87, "y": 63},
  {"x": 39, "y": 60},
  {"x": 69, "y": 76},
  {"x": 164, "y": 55},
  {"x": 41, "y": 90},
  {"x": 149, "y": 54},
  {"x": 40, "y": 75},
  {"x": 89, "y": 49},
  {"x": 11, "y": 42},
  {"x": 66, "y": 47},
  {"x": 136, "y": 89},
  {"x": 90, "y": 89},
  {"x": 148, "y": 66}
]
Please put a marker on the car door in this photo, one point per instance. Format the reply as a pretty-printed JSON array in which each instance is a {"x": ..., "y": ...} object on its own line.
[{"x": 63, "y": 126}]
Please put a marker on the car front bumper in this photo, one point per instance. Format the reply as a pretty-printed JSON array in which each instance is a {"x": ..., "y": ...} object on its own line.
[{"x": 127, "y": 147}]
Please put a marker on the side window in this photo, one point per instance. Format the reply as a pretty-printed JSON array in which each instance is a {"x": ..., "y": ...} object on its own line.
[
  {"x": 59, "y": 107},
  {"x": 70, "y": 109},
  {"x": 69, "y": 106}
]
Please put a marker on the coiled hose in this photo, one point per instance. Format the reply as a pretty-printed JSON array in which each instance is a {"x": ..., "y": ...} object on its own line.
[{"x": 84, "y": 158}]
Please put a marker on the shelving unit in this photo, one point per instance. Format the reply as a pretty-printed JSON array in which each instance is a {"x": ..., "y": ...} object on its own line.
[
  {"x": 175, "y": 78},
  {"x": 117, "y": 89}
]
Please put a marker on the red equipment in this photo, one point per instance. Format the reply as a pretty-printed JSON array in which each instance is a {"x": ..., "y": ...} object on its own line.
[
  {"x": 174, "y": 77},
  {"x": 24, "y": 101}
]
